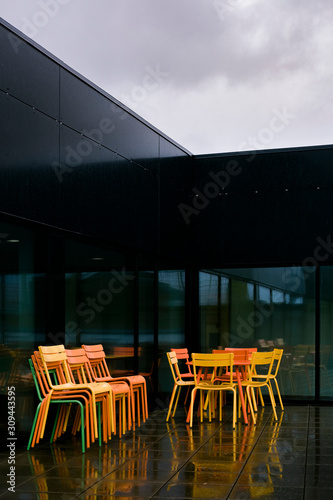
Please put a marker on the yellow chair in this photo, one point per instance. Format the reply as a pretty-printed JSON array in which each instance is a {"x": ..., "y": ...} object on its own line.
[
  {"x": 178, "y": 382},
  {"x": 257, "y": 379},
  {"x": 64, "y": 402},
  {"x": 211, "y": 364},
  {"x": 278, "y": 353}
]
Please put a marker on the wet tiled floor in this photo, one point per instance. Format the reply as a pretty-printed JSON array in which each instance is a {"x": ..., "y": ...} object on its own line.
[{"x": 288, "y": 459}]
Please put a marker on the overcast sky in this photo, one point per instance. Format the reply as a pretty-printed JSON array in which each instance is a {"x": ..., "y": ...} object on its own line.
[{"x": 214, "y": 75}]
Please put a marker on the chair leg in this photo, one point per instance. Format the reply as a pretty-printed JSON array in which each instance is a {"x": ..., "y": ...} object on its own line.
[
  {"x": 174, "y": 390},
  {"x": 271, "y": 395},
  {"x": 187, "y": 393},
  {"x": 193, "y": 394},
  {"x": 249, "y": 397},
  {"x": 278, "y": 392},
  {"x": 176, "y": 402},
  {"x": 34, "y": 425},
  {"x": 234, "y": 411}
]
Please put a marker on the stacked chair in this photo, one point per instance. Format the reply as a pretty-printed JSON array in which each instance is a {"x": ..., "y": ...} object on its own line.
[
  {"x": 136, "y": 383},
  {"x": 43, "y": 389},
  {"x": 80, "y": 377},
  {"x": 56, "y": 384},
  {"x": 82, "y": 372}
]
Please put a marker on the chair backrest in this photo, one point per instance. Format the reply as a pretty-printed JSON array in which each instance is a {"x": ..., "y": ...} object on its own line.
[
  {"x": 265, "y": 361},
  {"x": 78, "y": 363},
  {"x": 182, "y": 354},
  {"x": 39, "y": 374},
  {"x": 54, "y": 357},
  {"x": 278, "y": 353},
  {"x": 211, "y": 364},
  {"x": 96, "y": 356},
  {"x": 240, "y": 354},
  {"x": 35, "y": 379},
  {"x": 173, "y": 362}
]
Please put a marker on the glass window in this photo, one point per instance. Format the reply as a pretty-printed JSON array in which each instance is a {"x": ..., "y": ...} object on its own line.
[
  {"x": 269, "y": 307},
  {"x": 22, "y": 289},
  {"x": 22, "y": 316},
  {"x": 214, "y": 312},
  {"x": 171, "y": 319},
  {"x": 146, "y": 326},
  {"x": 99, "y": 299},
  {"x": 326, "y": 335}
]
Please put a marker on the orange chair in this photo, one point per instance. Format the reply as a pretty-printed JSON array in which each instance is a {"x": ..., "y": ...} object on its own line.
[
  {"x": 239, "y": 354},
  {"x": 182, "y": 354},
  {"x": 239, "y": 351},
  {"x": 137, "y": 383},
  {"x": 80, "y": 367}
]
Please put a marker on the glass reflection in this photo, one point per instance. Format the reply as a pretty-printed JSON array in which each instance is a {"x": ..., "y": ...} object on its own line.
[{"x": 266, "y": 308}]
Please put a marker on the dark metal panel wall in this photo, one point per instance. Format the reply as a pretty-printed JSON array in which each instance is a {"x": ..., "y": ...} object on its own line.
[
  {"x": 271, "y": 209},
  {"x": 72, "y": 157},
  {"x": 92, "y": 114},
  {"x": 176, "y": 176},
  {"x": 107, "y": 196},
  {"x": 29, "y": 144},
  {"x": 28, "y": 74}
]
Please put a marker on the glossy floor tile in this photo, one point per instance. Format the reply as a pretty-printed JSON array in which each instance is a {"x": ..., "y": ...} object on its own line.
[{"x": 291, "y": 458}]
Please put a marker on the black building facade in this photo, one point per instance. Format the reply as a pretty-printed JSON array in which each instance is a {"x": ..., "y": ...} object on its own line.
[{"x": 112, "y": 233}]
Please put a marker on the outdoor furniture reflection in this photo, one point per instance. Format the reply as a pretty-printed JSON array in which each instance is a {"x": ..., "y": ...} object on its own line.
[{"x": 295, "y": 363}]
